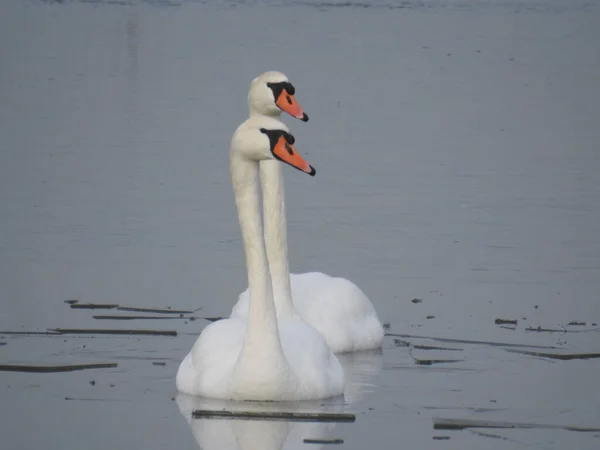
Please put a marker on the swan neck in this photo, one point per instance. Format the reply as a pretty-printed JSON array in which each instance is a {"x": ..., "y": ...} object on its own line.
[
  {"x": 255, "y": 111},
  {"x": 262, "y": 334},
  {"x": 274, "y": 218}
]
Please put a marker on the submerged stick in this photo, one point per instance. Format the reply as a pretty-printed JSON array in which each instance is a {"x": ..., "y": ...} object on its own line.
[
  {"x": 51, "y": 369},
  {"x": 468, "y": 341},
  {"x": 154, "y": 310},
  {"x": 323, "y": 441},
  {"x": 30, "y": 333},
  {"x": 274, "y": 415},
  {"x": 562, "y": 356},
  {"x": 461, "y": 424},
  {"x": 129, "y": 332},
  {"x": 556, "y": 330},
  {"x": 430, "y": 362},
  {"x": 94, "y": 306},
  {"x": 433, "y": 347},
  {"x": 505, "y": 321},
  {"x": 116, "y": 317}
]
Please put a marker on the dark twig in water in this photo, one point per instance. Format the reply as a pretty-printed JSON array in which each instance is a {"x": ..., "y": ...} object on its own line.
[
  {"x": 117, "y": 317},
  {"x": 461, "y": 424},
  {"x": 88, "y": 399},
  {"x": 30, "y": 333},
  {"x": 561, "y": 356},
  {"x": 429, "y": 362},
  {"x": 468, "y": 341},
  {"x": 93, "y": 306},
  {"x": 129, "y": 332},
  {"x": 52, "y": 369},
  {"x": 433, "y": 347},
  {"x": 555, "y": 330},
  {"x": 577, "y": 324},
  {"x": 323, "y": 441},
  {"x": 401, "y": 343},
  {"x": 212, "y": 319},
  {"x": 155, "y": 310},
  {"x": 2, "y": 343},
  {"x": 275, "y": 415},
  {"x": 505, "y": 321}
]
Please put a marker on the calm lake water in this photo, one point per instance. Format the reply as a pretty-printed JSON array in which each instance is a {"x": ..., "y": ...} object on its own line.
[{"x": 457, "y": 156}]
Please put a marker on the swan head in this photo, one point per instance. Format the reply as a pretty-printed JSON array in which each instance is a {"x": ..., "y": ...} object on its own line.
[
  {"x": 265, "y": 138},
  {"x": 270, "y": 93}
]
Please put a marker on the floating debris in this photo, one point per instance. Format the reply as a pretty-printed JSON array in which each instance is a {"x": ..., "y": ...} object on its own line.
[
  {"x": 158, "y": 363},
  {"x": 461, "y": 424},
  {"x": 561, "y": 356},
  {"x": 71, "y": 302},
  {"x": 401, "y": 343},
  {"x": 468, "y": 341},
  {"x": 539, "y": 329},
  {"x": 93, "y": 306},
  {"x": 212, "y": 319},
  {"x": 155, "y": 310},
  {"x": 52, "y": 369},
  {"x": 577, "y": 324},
  {"x": 30, "y": 333},
  {"x": 505, "y": 321},
  {"x": 118, "y": 317},
  {"x": 2, "y": 343},
  {"x": 433, "y": 347},
  {"x": 440, "y": 438},
  {"x": 430, "y": 317},
  {"x": 93, "y": 383},
  {"x": 266, "y": 415},
  {"x": 416, "y": 300},
  {"x": 323, "y": 441},
  {"x": 129, "y": 332},
  {"x": 430, "y": 362}
]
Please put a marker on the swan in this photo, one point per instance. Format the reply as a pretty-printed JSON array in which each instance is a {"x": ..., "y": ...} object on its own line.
[
  {"x": 261, "y": 358},
  {"x": 335, "y": 306}
]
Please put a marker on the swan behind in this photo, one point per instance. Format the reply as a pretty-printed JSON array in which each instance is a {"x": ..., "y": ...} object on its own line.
[{"x": 336, "y": 307}]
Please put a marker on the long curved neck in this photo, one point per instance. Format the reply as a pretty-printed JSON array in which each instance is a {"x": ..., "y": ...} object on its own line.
[
  {"x": 262, "y": 335},
  {"x": 275, "y": 223},
  {"x": 272, "y": 183}
]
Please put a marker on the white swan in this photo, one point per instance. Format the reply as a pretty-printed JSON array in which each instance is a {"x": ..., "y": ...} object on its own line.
[
  {"x": 260, "y": 359},
  {"x": 336, "y": 307}
]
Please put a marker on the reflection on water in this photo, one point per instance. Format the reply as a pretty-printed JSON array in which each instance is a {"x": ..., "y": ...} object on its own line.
[{"x": 228, "y": 434}]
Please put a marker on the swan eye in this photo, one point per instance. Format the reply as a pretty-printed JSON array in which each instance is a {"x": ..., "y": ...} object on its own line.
[{"x": 290, "y": 138}]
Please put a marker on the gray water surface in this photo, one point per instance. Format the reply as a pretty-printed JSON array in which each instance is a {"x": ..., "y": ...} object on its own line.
[{"x": 456, "y": 147}]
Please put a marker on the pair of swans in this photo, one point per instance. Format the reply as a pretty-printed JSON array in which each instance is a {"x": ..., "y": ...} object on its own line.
[{"x": 280, "y": 340}]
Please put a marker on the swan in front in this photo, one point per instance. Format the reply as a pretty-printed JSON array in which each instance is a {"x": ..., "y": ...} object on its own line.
[
  {"x": 260, "y": 358},
  {"x": 336, "y": 307}
]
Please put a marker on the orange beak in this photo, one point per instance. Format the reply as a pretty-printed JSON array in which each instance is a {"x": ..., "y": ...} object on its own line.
[
  {"x": 287, "y": 103},
  {"x": 286, "y": 152}
]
